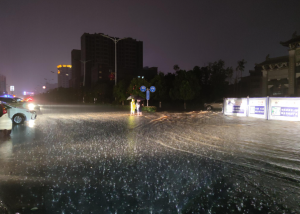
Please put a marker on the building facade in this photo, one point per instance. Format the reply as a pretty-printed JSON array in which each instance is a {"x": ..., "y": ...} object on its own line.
[
  {"x": 76, "y": 79},
  {"x": 2, "y": 84},
  {"x": 64, "y": 74},
  {"x": 98, "y": 58},
  {"x": 281, "y": 75}
]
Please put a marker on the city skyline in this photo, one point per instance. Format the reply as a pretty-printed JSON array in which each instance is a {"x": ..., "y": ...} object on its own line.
[{"x": 39, "y": 36}]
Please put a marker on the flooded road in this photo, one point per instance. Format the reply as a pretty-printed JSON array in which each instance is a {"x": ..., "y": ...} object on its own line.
[{"x": 95, "y": 159}]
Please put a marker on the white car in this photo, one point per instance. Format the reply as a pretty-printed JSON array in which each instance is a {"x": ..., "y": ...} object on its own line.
[
  {"x": 214, "y": 105},
  {"x": 19, "y": 115},
  {"x": 5, "y": 121}
]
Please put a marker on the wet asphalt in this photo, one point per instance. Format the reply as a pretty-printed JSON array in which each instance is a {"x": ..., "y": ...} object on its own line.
[{"x": 99, "y": 159}]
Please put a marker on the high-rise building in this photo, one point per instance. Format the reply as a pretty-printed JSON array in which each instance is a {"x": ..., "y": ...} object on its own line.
[
  {"x": 2, "y": 84},
  {"x": 64, "y": 74},
  {"x": 76, "y": 80},
  {"x": 98, "y": 53}
]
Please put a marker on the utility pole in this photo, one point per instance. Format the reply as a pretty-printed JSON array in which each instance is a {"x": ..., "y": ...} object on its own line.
[
  {"x": 84, "y": 62},
  {"x": 83, "y": 84},
  {"x": 115, "y": 40}
]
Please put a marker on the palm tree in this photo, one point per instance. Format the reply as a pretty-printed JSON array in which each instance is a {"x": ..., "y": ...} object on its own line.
[
  {"x": 176, "y": 68},
  {"x": 240, "y": 68}
]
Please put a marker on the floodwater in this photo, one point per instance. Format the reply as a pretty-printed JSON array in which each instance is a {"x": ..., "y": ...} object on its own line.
[{"x": 96, "y": 159}]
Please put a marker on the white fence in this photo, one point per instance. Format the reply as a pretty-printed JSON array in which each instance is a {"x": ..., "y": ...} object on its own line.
[{"x": 270, "y": 108}]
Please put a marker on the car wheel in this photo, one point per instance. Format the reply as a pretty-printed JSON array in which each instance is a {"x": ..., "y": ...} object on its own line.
[
  {"x": 18, "y": 119},
  {"x": 208, "y": 108}
]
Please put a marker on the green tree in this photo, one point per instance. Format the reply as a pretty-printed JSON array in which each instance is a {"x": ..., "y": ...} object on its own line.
[
  {"x": 134, "y": 87},
  {"x": 169, "y": 79},
  {"x": 239, "y": 69},
  {"x": 185, "y": 86},
  {"x": 218, "y": 79},
  {"x": 161, "y": 88},
  {"x": 176, "y": 68},
  {"x": 120, "y": 91}
]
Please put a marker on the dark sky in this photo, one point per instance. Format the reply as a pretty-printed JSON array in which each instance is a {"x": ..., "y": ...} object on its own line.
[{"x": 38, "y": 35}]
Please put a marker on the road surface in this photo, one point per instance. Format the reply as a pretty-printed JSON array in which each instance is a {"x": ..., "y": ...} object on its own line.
[{"x": 99, "y": 159}]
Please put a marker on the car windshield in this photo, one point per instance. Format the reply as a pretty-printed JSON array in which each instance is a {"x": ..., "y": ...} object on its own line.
[{"x": 149, "y": 107}]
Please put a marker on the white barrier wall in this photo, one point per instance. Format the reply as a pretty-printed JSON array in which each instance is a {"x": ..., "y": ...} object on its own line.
[
  {"x": 270, "y": 108},
  {"x": 284, "y": 109},
  {"x": 235, "y": 106},
  {"x": 258, "y": 107}
]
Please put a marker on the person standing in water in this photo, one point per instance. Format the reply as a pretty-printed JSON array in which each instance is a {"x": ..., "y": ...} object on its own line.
[
  {"x": 132, "y": 107},
  {"x": 138, "y": 108}
]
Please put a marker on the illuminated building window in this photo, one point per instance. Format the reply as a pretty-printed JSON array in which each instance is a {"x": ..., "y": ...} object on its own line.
[{"x": 100, "y": 77}]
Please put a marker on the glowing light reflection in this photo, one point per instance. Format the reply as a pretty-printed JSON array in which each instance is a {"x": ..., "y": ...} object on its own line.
[{"x": 31, "y": 123}]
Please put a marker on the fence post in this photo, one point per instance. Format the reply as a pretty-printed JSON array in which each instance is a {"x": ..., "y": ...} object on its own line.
[
  {"x": 267, "y": 104},
  {"x": 247, "y": 110},
  {"x": 223, "y": 105}
]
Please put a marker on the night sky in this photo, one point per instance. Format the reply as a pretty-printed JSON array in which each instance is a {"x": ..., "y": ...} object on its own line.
[{"x": 38, "y": 35}]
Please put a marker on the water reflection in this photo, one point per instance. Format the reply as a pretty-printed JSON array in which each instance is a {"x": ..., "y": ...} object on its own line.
[
  {"x": 31, "y": 123},
  {"x": 19, "y": 134},
  {"x": 6, "y": 149},
  {"x": 131, "y": 138}
]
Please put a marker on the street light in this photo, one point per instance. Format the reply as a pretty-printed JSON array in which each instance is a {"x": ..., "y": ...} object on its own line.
[{"x": 115, "y": 40}]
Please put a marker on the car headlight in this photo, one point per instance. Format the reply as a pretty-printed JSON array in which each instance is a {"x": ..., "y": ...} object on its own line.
[{"x": 31, "y": 106}]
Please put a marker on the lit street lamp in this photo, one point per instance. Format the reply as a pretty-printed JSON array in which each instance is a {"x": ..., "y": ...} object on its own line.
[{"x": 115, "y": 40}]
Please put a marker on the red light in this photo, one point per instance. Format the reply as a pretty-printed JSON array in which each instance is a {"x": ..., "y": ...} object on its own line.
[
  {"x": 29, "y": 99},
  {"x": 4, "y": 109}
]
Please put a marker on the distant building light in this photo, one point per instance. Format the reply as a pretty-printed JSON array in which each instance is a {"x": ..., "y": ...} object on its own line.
[
  {"x": 67, "y": 74},
  {"x": 139, "y": 76},
  {"x": 66, "y": 66},
  {"x": 44, "y": 87},
  {"x": 142, "y": 77},
  {"x": 58, "y": 72}
]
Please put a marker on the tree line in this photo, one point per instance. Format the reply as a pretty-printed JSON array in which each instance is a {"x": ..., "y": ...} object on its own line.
[{"x": 200, "y": 84}]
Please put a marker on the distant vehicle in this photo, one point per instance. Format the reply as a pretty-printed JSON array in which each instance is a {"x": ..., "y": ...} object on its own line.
[
  {"x": 19, "y": 102},
  {"x": 217, "y": 105},
  {"x": 19, "y": 115}
]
